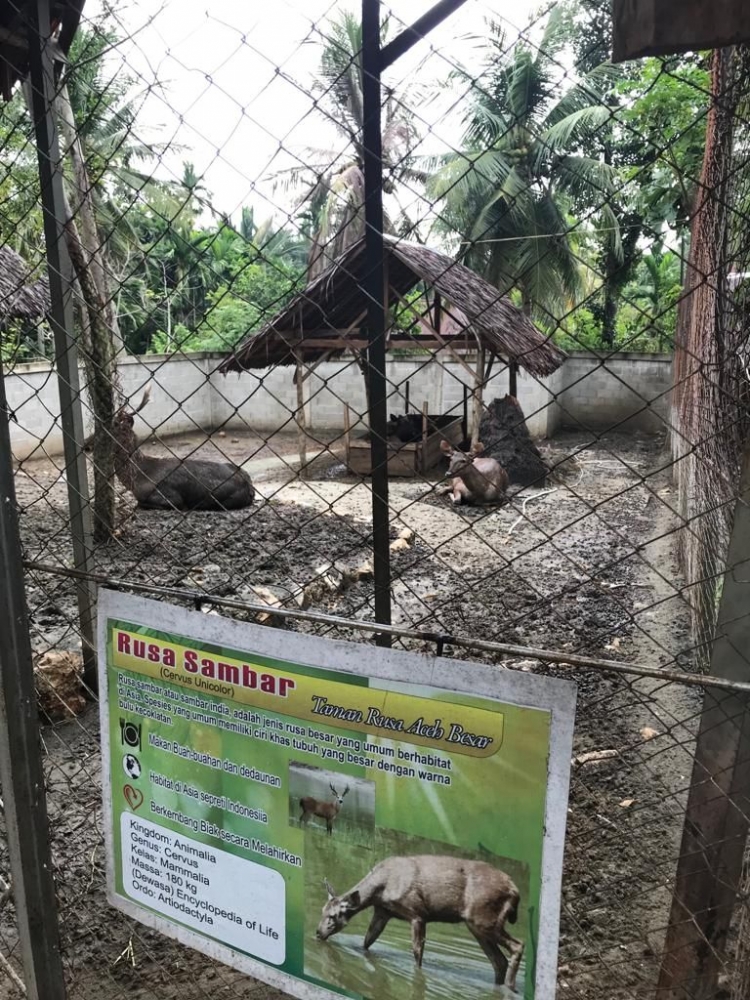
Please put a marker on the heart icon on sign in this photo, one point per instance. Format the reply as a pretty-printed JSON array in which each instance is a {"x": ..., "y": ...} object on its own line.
[{"x": 133, "y": 796}]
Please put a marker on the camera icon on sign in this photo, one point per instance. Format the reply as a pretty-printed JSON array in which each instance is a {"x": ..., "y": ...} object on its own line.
[{"x": 130, "y": 734}]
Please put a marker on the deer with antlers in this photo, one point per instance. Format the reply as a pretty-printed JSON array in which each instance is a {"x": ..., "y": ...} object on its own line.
[
  {"x": 474, "y": 478},
  {"x": 323, "y": 809},
  {"x": 174, "y": 483}
]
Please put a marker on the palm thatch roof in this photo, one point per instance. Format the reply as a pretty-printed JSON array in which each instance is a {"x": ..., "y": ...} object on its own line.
[
  {"x": 65, "y": 16},
  {"x": 324, "y": 319},
  {"x": 19, "y": 300}
]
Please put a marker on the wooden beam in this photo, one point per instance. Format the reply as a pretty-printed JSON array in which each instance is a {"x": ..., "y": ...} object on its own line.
[
  {"x": 444, "y": 344},
  {"x": 312, "y": 365}
]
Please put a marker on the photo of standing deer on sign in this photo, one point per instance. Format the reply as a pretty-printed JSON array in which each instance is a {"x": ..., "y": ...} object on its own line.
[
  {"x": 335, "y": 805},
  {"x": 325, "y": 810}
]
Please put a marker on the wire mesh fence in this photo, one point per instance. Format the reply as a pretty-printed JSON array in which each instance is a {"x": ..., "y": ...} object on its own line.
[{"x": 566, "y": 267}]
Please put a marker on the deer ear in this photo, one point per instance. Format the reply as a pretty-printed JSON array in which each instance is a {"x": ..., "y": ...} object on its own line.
[
  {"x": 329, "y": 889},
  {"x": 446, "y": 447},
  {"x": 477, "y": 449}
]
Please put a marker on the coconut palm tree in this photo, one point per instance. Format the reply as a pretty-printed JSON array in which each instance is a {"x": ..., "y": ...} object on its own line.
[
  {"x": 513, "y": 191},
  {"x": 334, "y": 177}
]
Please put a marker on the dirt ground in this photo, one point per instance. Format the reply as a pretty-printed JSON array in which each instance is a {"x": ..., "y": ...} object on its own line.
[{"x": 586, "y": 564}]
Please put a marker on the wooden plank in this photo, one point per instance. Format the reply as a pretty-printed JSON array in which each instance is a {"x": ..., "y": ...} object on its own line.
[
  {"x": 663, "y": 27},
  {"x": 707, "y": 887}
]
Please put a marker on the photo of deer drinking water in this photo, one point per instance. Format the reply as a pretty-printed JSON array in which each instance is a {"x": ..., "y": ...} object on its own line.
[
  {"x": 433, "y": 888},
  {"x": 413, "y": 919}
]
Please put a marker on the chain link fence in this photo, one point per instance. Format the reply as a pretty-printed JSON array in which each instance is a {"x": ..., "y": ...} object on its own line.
[{"x": 566, "y": 267}]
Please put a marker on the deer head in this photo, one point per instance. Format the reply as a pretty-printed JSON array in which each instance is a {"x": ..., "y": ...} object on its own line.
[
  {"x": 124, "y": 420},
  {"x": 337, "y": 912},
  {"x": 460, "y": 460}
]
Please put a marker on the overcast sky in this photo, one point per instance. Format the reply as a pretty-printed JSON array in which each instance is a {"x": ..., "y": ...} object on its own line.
[{"x": 226, "y": 84}]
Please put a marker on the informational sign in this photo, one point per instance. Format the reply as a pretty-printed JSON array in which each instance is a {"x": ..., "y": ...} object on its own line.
[{"x": 333, "y": 818}]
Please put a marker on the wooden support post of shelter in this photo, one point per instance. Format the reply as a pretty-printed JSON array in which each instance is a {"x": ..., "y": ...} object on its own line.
[
  {"x": 478, "y": 393},
  {"x": 347, "y": 432},
  {"x": 707, "y": 888},
  {"x": 300, "y": 415},
  {"x": 513, "y": 379},
  {"x": 466, "y": 313}
]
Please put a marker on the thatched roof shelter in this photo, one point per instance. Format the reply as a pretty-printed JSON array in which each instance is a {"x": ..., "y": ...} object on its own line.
[
  {"x": 324, "y": 320},
  {"x": 19, "y": 300},
  {"x": 65, "y": 16}
]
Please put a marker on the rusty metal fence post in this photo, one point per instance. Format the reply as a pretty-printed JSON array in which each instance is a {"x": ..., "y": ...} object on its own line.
[
  {"x": 21, "y": 773},
  {"x": 709, "y": 874}
]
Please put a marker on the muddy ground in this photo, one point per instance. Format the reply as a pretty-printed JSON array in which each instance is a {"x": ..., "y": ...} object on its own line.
[{"x": 587, "y": 567}]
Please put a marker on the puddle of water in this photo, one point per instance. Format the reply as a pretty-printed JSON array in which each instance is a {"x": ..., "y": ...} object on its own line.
[{"x": 453, "y": 965}]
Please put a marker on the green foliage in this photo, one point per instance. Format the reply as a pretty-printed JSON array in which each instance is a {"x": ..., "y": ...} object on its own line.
[
  {"x": 524, "y": 171},
  {"x": 331, "y": 209},
  {"x": 666, "y": 101},
  {"x": 573, "y": 178}
]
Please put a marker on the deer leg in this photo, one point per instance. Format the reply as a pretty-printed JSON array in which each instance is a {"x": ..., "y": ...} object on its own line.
[
  {"x": 515, "y": 947},
  {"x": 377, "y": 925},
  {"x": 155, "y": 501},
  {"x": 417, "y": 940},
  {"x": 459, "y": 494},
  {"x": 488, "y": 945}
]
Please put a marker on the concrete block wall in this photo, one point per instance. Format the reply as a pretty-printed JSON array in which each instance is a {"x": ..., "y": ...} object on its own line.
[
  {"x": 188, "y": 394},
  {"x": 629, "y": 391},
  {"x": 180, "y": 401}
]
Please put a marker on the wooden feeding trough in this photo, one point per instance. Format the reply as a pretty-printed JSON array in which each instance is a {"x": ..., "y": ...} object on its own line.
[
  {"x": 464, "y": 317},
  {"x": 410, "y": 458}
]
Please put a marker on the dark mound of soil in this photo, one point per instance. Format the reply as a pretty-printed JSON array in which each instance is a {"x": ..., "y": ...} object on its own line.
[{"x": 506, "y": 438}]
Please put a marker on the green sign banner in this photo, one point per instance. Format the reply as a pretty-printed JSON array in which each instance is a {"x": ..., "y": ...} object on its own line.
[{"x": 333, "y": 818}]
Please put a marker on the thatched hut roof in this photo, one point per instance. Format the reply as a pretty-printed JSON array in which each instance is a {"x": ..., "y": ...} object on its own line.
[
  {"x": 19, "y": 300},
  {"x": 324, "y": 319},
  {"x": 65, "y": 16}
]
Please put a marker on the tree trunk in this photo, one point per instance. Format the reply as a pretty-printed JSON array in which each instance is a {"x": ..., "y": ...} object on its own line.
[
  {"x": 609, "y": 309},
  {"x": 101, "y": 332}
]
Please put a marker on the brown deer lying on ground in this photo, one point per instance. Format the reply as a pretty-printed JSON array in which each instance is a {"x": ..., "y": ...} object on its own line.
[
  {"x": 429, "y": 888},
  {"x": 325, "y": 810},
  {"x": 175, "y": 483},
  {"x": 482, "y": 480}
]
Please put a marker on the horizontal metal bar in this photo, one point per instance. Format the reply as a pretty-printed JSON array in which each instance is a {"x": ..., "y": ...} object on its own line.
[
  {"x": 417, "y": 31},
  {"x": 421, "y": 635}
]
